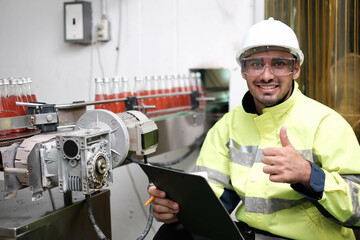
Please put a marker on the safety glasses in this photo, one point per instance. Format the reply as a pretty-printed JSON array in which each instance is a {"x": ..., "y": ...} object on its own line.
[{"x": 278, "y": 66}]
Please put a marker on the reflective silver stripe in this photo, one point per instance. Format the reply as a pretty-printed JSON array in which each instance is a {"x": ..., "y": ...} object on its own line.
[
  {"x": 216, "y": 177},
  {"x": 244, "y": 149},
  {"x": 241, "y": 158},
  {"x": 352, "y": 177},
  {"x": 269, "y": 206},
  {"x": 247, "y": 155},
  {"x": 310, "y": 156},
  {"x": 354, "y": 190},
  {"x": 242, "y": 155}
]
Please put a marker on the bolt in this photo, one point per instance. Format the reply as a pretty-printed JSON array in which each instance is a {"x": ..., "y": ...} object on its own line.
[{"x": 49, "y": 118}]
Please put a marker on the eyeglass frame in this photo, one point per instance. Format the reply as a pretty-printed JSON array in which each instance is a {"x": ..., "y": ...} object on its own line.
[{"x": 293, "y": 60}]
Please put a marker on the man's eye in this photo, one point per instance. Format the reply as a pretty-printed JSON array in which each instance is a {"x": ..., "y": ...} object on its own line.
[
  {"x": 255, "y": 64},
  {"x": 279, "y": 63}
]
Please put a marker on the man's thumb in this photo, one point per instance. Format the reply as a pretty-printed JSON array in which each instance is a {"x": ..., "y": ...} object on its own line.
[{"x": 284, "y": 138}]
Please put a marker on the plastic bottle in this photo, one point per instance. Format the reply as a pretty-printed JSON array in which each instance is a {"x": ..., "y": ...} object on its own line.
[
  {"x": 148, "y": 90},
  {"x": 175, "y": 99},
  {"x": 6, "y": 97},
  {"x": 158, "y": 89},
  {"x": 139, "y": 88},
  {"x": 3, "y": 112},
  {"x": 15, "y": 96},
  {"x": 192, "y": 80},
  {"x": 181, "y": 89},
  {"x": 25, "y": 90},
  {"x": 186, "y": 88},
  {"x": 22, "y": 92},
  {"x": 165, "y": 84},
  {"x": 30, "y": 90},
  {"x": 201, "y": 89},
  {"x": 106, "y": 81},
  {"x": 99, "y": 93},
  {"x": 172, "y": 89},
  {"x": 126, "y": 90},
  {"x": 116, "y": 93}
]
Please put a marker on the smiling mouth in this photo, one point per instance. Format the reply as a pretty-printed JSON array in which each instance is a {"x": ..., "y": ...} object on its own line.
[{"x": 267, "y": 87}]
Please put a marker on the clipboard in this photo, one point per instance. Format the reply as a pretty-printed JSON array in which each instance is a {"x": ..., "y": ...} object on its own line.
[{"x": 201, "y": 212}]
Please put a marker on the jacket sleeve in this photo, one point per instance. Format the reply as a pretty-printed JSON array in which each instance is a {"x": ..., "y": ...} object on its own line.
[
  {"x": 214, "y": 159},
  {"x": 336, "y": 179}
]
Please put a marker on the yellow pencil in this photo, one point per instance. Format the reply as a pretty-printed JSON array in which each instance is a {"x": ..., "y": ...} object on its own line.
[{"x": 149, "y": 201}]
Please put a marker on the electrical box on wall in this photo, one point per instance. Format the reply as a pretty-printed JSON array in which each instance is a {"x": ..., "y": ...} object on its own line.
[{"x": 78, "y": 22}]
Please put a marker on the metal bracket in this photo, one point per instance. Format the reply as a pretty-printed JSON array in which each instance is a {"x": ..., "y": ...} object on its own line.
[
  {"x": 49, "y": 122},
  {"x": 31, "y": 121},
  {"x": 130, "y": 103},
  {"x": 193, "y": 99}
]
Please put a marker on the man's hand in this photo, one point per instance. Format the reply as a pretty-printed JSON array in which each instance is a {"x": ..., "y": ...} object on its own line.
[
  {"x": 284, "y": 164},
  {"x": 165, "y": 210}
]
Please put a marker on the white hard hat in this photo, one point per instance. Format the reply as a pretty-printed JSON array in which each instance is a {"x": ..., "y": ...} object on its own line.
[{"x": 269, "y": 35}]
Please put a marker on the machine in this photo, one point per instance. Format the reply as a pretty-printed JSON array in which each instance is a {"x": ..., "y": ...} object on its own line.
[
  {"x": 68, "y": 154},
  {"x": 81, "y": 159},
  {"x": 75, "y": 160}
]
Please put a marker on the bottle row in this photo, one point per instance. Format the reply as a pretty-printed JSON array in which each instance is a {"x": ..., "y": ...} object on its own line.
[
  {"x": 177, "y": 89},
  {"x": 14, "y": 90}
]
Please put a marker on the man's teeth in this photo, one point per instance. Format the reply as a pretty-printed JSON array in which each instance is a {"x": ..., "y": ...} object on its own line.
[{"x": 267, "y": 87}]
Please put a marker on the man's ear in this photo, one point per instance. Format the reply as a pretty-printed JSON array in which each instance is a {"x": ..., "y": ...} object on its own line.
[
  {"x": 242, "y": 74},
  {"x": 296, "y": 70}
]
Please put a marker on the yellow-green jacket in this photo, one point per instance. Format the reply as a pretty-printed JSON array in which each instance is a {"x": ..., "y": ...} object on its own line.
[{"x": 232, "y": 152}]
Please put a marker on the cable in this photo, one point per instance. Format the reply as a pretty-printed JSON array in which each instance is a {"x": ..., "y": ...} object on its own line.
[
  {"x": 97, "y": 229},
  {"x": 145, "y": 159},
  {"x": 99, "y": 58},
  {"x": 198, "y": 143},
  {"x": 148, "y": 224},
  {"x": 138, "y": 197},
  {"x": 51, "y": 199},
  {"x": 91, "y": 70},
  {"x": 104, "y": 8},
  {"x": 118, "y": 42},
  {"x": 165, "y": 164},
  {"x": 176, "y": 161}
]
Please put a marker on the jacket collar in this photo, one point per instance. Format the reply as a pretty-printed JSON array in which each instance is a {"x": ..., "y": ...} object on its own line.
[{"x": 249, "y": 104}]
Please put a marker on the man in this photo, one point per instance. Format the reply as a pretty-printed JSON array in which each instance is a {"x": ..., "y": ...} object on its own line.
[{"x": 293, "y": 162}]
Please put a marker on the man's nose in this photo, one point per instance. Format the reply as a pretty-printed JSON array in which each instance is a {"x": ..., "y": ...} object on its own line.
[{"x": 267, "y": 73}]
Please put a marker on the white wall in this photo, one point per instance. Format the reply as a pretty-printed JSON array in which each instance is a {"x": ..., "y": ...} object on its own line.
[{"x": 155, "y": 37}]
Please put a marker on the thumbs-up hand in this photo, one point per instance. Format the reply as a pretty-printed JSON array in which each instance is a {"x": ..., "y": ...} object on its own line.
[{"x": 284, "y": 164}]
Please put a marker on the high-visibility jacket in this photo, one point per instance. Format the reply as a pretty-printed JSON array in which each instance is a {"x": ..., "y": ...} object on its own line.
[{"x": 232, "y": 152}]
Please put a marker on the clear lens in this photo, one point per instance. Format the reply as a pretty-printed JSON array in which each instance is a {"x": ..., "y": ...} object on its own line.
[{"x": 278, "y": 66}]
